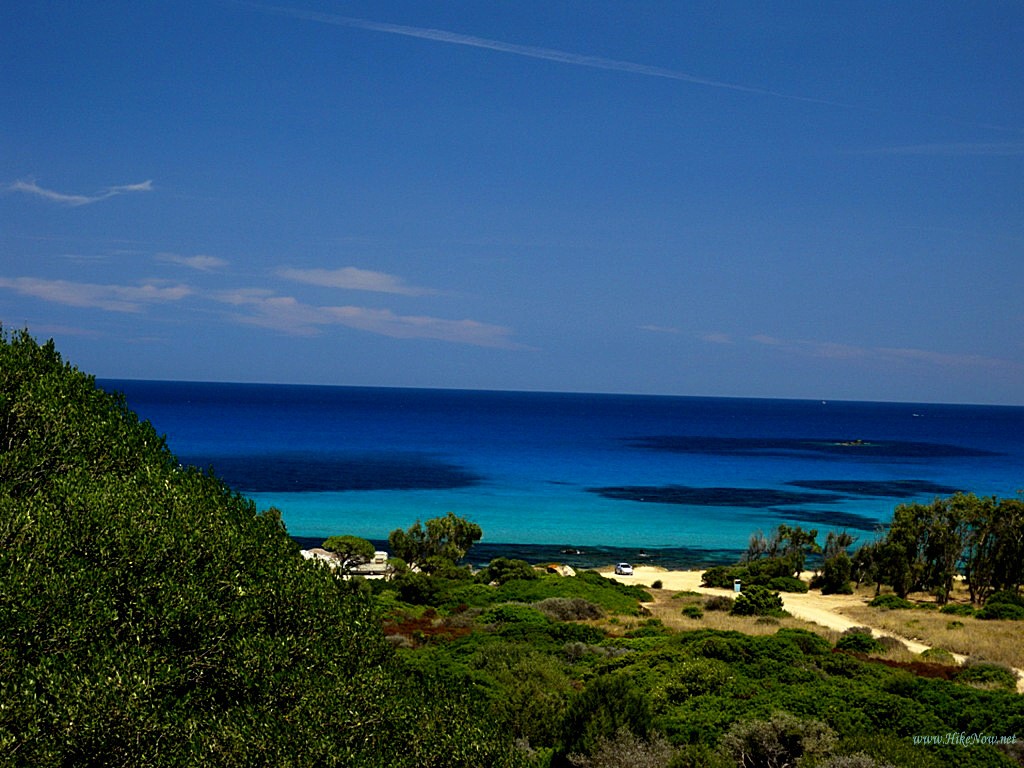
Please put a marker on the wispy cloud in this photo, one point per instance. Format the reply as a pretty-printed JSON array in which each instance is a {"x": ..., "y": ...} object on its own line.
[
  {"x": 717, "y": 338},
  {"x": 114, "y": 298},
  {"x": 661, "y": 329},
  {"x": 30, "y": 187},
  {"x": 528, "y": 51},
  {"x": 199, "y": 262},
  {"x": 352, "y": 278},
  {"x": 289, "y": 315},
  {"x": 901, "y": 355}
]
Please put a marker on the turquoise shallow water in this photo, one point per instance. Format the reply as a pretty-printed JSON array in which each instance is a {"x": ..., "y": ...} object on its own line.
[{"x": 549, "y": 472}]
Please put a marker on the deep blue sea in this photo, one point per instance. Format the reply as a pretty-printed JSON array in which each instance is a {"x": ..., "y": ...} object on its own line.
[{"x": 677, "y": 480}]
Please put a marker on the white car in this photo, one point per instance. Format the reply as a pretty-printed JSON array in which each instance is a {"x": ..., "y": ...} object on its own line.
[{"x": 623, "y": 569}]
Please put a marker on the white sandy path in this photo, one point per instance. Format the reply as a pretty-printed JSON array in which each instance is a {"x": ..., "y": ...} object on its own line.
[{"x": 817, "y": 608}]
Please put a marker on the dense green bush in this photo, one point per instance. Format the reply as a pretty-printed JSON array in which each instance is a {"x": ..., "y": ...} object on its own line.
[
  {"x": 757, "y": 601},
  {"x": 1006, "y": 596},
  {"x": 781, "y": 740},
  {"x": 835, "y": 575},
  {"x": 503, "y": 569},
  {"x": 1006, "y": 611},
  {"x": 958, "y": 609},
  {"x": 569, "y": 609},
  {"x": 150, "y": 616},
  {"x": 988, "y": 675},
  {"x": 513, "y": 613},
  {"x": 1003, "y": 604},
  {"x": 787, "y": 584},
  {"x": 693, "y": 611},
  {"x": 890, "y": 603},
  {"x": 859, "y": 640}
]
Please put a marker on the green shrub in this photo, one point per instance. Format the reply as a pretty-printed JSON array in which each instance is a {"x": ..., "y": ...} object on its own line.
[
  {"x": 890, "y": 603},
  {"x": 787, "y": 584},
  {"x": 650, "y": 628},
  {"x": 513, "y": 613},
  {"x": 835, "y": 575},
  {"x": 859, "y": 640},
  {"x": 569, "y": 609},
  {"x": 656, "y": 584},
  {"x": 625, "y": 749},
  {"x": 781, "y": 740},
  {"x": 719, "y": 576},
  {"x": 504, "y": 569},
  {"x": 1005, "y": 611},
  {"x": 757, "y": 601},
  {"x": 719, "y": 603},
  {"x": 958, "y": 609},
  {"x": 988, "y": 675},
  {"x": 693, "y": 611},
  {"x": 1006, "y": 596},
  {"x": 937, "y": 656}
]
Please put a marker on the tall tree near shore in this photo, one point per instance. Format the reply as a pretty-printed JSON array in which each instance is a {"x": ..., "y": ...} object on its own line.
[
  {"x": 837, "y": 566},
  {"x": 352, "y": 551},
  {"x": 446, "y": 539},
  {"x": 994, "y": 547}
]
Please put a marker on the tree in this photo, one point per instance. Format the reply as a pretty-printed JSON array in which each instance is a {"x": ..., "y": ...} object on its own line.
[
  {"x": 447, "y": 538},
  {"x": 994, "y": 548},
  {"x": 865, "y": 565},
  {"x": 352, "y": 551},
  {"x": 837, "y": 566},
  {"x": 795, "y": 544},
  {"x": 924, "y": 546},
  {"x": 777, "y": 742},
  {"x": 757, "y": 601}
]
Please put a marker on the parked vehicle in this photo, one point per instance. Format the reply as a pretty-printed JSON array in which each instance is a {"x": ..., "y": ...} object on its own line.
[{"x": 623, "y": 569}]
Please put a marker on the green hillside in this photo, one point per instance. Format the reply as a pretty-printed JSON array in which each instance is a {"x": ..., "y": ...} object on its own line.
[{"x": 150, "y": 616}]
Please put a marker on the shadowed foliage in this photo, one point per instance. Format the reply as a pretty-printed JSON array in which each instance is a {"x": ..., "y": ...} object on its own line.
[{"x": 150, "y": 616}]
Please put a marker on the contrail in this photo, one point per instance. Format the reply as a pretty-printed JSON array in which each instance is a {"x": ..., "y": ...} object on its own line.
[{"x": 531, "y": 52}]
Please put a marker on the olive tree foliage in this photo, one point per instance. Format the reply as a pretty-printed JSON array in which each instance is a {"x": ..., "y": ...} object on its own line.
[
  {"x": 837, "y": 567},
  {"x": 994, "y": 548},
  {"x": 439, "y": 541},
  {"x": 778, "y": 742},
  {"x": 626, "y": 749},
  {"x": 928, "y": 545},
  {"x": 788, "y": 545},
  {"x": 352, "y": 551},
  {"x": 150, "y": 616}
]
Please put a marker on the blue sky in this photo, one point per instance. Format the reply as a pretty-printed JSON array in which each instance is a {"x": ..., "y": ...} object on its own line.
[{"x": 788, "y": 199}]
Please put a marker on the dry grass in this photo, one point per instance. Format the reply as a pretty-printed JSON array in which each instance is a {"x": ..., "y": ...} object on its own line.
[
  {"x": 998, "y": 641},
  {"x": 668, "y": 607}
]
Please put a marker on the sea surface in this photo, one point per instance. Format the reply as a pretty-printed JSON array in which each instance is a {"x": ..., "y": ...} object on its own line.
[{"x": 580, "y": 478}]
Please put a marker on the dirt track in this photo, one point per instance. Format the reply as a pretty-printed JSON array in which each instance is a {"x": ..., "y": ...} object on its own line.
[{"x": 823, "y": 610}]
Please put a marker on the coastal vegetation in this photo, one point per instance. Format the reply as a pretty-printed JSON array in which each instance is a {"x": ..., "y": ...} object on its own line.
[{"x": 151, "y": 616}]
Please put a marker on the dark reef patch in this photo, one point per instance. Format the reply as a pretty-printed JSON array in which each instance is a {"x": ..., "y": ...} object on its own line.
[
  {"x": 758, "y": 498},
  {"x": 295, "y": 472},
  {"x": 845, "y": 448},
  {"x": 831, "y": 518},
  {"x": 893, "y": 489}
]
